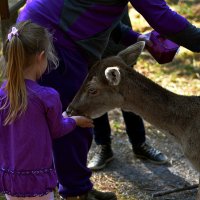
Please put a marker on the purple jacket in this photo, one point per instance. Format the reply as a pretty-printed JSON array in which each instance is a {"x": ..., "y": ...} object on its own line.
[
  {"x": 88, "y": 24},
  {"x": 26, "y": 164}
]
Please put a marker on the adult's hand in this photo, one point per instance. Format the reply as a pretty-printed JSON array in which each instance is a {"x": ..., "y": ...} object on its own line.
[{"x": 145, "y": 38}]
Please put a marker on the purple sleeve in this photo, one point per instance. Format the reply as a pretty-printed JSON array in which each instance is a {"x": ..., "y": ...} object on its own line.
[
  {"x": 58, "y": 125},
  {"x": 160, "y": 16}
]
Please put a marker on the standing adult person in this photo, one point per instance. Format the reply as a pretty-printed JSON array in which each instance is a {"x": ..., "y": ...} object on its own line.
[{"x": 81, "y": 32}]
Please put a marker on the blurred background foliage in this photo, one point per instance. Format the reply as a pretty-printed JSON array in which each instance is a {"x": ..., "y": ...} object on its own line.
[{"x": 182, "y": 74}]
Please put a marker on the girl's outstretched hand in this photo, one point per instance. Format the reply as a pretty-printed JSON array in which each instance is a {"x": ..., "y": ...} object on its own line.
[{"x": 81, "y": 121}]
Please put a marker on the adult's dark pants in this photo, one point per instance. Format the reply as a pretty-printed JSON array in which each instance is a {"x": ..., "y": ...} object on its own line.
[
  {"x": 70, "y": 151},
  {"x": 134, "y": 129}
]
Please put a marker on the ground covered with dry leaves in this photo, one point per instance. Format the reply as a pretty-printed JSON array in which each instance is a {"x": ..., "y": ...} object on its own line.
[{"x": 135, "y": 179}]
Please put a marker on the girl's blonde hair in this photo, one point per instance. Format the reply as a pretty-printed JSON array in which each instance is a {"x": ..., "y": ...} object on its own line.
[{"x": 19, "y": 52}]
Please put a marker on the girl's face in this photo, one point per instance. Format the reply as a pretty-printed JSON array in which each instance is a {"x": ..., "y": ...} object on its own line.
[{"x": 42, "y": 64}]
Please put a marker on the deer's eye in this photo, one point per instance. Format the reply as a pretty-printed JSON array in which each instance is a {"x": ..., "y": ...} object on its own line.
[{"x": 92, "y": 91}]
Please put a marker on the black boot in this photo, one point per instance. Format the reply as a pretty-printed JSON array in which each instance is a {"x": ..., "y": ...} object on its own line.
[
  {"x": 97, "y": 195},
  {"x": 147, "y": 152},
  {"x": 94, "y": 195},
  {"x": 103, "y": 155}
]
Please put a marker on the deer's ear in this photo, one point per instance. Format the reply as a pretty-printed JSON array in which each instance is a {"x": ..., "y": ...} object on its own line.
[
  {"x": 130, "y": 54},
  {"x": 113, "y": 75}
]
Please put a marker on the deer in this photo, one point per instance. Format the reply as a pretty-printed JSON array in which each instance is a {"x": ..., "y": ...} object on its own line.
[{"x": 112, "y": 83}]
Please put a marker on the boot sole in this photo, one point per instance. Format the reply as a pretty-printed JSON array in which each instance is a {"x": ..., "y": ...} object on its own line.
[
  {"x": 102, "y": 166},
  {"x": 152, "y": 161}
]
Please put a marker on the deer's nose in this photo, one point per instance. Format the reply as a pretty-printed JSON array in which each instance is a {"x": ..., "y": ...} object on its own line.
[{"x": 69, "y": 111}]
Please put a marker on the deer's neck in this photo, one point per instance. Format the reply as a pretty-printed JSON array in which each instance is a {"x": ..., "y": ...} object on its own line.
[{"x": 154, "y": 103}]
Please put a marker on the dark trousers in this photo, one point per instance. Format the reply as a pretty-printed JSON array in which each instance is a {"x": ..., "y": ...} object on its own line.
[
  {"x": 134, "y": 129},
  {"x": 70, "y": 151}
]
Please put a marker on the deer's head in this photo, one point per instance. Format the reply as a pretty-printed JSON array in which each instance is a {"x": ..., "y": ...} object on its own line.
[{"x": 102, "y": 88}]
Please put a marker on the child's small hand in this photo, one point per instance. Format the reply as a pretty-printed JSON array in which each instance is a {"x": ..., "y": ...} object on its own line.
[{"x": 83, "y": 122}]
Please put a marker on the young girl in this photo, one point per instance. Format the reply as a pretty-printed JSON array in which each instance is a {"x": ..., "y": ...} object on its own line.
[{"x": 30, "y": 116}]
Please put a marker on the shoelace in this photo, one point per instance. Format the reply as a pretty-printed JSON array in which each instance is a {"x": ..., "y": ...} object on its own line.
[
  {"x": 151, "y": 150},
  {"x": 99, "y": 153}
]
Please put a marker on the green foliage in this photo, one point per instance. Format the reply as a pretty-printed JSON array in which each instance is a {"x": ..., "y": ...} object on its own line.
[
  {"x": 188, "y": 8},
  {"x": 2, "y": 198},
  {"x": 180, "y": 76}
]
